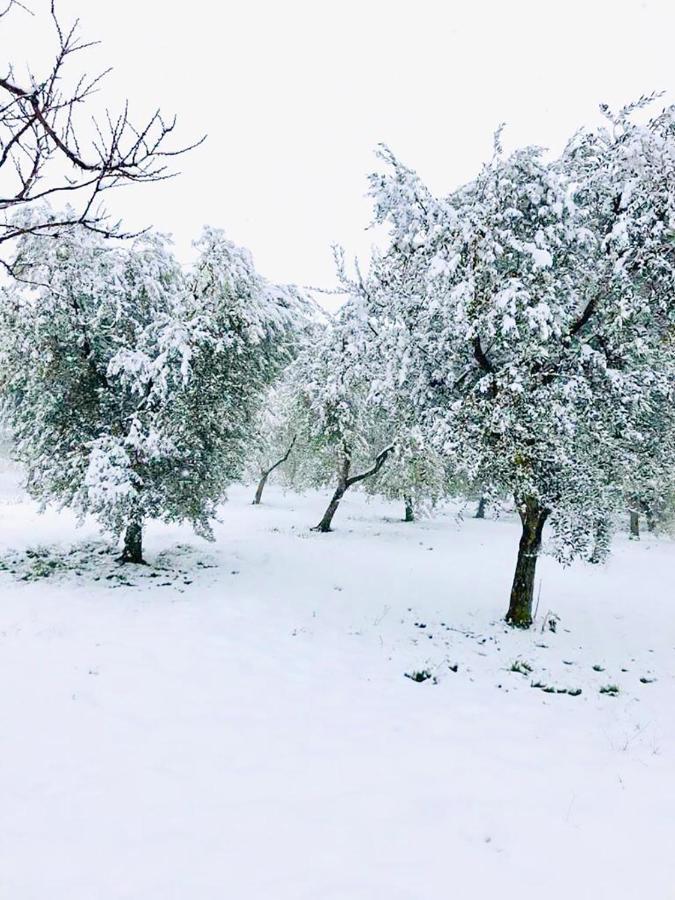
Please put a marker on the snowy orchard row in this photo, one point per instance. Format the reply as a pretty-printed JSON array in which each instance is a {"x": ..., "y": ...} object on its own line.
[
  {"x": 515, "y": 338},
  {"x": 512, "y": 339}
]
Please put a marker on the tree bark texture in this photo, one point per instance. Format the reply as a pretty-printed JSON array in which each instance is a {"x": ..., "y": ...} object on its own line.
[{"x": 533, "y": 517}]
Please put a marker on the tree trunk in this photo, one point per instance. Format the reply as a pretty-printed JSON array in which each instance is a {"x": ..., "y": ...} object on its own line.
[
  {"x": 648, "y": 510},
  {"x": 331, "y": 509},
  {"x": 261, "y": 488},
  {"x": 409, "y": 510},
  {"x": 346, "y": 481},
  {"x": 480, "y": 512},
  {"x": 533, "y": 517},
  {"x": 265, "y": 475},
  {"x": 634, "y": 526},
  {"x": 133, "y": 544}
]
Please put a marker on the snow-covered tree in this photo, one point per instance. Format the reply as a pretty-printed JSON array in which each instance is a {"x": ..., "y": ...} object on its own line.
[
  {"x": 334, "y": 413},
  {"x": 415, "y": 473},
  {"x": 274, "y": 436},
  {"x": 279, "y": 419},
  {"x": 528, "y": 316},
  {"x": 129, "y": 385}
]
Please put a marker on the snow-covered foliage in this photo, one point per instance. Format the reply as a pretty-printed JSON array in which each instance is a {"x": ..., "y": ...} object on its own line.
[
  {"x": 130, "y": 385},
  {"x": 415, "y": 473},
  {"x": 650, "y": 475},
  {"x": 529, "y": 316},
  {"x": 272, "y": 431},
  {"x": 276, "y": 425},
  {"x": 333, "y": 410}
]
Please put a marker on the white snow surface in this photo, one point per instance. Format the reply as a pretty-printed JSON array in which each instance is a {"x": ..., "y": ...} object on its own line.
[{"x": 235, "y": 721}]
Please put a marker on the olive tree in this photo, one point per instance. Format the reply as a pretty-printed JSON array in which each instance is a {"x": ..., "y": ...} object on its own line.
[{"x": 129, "y": 385}]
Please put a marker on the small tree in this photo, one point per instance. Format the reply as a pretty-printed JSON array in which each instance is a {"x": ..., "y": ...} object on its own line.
[
  {"x": 335, "y": 413},
  {"x": 274, "y": 437},
  {"x": 415, "y": 473},
  {"x": 267, "y": 472},
  {"x": 275, "y": 430},
  {"x": 529, "y": 318},
  {"x": 129, "y": 385}
]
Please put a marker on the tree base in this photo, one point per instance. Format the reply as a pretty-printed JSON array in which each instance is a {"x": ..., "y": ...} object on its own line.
[
  {"x": 133, "y": 545},
  {"x": 532, "y": 516},
  {"x": 523, "y": 621},
  {"x": 123, "y": 560}
]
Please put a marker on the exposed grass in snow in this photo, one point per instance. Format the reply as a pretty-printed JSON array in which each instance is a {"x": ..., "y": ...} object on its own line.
[{"x": 235, "y": 719}]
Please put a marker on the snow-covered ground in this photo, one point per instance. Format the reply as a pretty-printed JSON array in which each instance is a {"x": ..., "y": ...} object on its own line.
[{"x": 234, "y": 721}]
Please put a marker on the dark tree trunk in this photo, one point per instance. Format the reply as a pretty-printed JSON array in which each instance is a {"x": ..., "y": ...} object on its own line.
[
  {"x": 346, "y": 481},
  {"x": 325, "y": 523},
  {"x": 266, "y": 474},
  {"x": 133, "y": 544},
  {"x": 634, "y": 526},
  {"x": 409, "y": 510},
  {"x": 480, "y": 512},
  {"x": 648, "y": 510},
  {"x": 261, "y": 488},
  {"x": 533, "y": 517}
]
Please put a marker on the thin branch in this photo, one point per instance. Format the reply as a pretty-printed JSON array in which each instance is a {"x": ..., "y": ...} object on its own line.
[
  {"x": 481, "y": 358},
  {"x": 39, "y": 132},
  {"x": 283, "y": 459}
]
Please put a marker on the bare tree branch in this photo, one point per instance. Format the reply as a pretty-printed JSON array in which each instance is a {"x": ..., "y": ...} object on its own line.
[{"x": 47, "y": 150}]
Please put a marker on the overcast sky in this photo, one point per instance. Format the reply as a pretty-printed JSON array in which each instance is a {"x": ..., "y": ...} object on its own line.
[{"x": 296, "y": 94}]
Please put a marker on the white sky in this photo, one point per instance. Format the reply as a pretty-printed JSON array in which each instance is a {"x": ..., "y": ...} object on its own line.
[{"x": 295, "y": 95}]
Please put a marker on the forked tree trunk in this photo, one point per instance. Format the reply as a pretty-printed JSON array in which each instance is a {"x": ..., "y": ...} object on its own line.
[
  {"x": 409, "y": 510},
  {"x": 634, "y": 526},
  {"x": 533, "y": 517},
  {"x": 133, "y": 544},
  {"x": 346, "y": 481},
  {"x": 266, "y": 474},
  {"x": 480, "y": 512}
]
